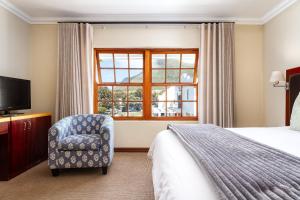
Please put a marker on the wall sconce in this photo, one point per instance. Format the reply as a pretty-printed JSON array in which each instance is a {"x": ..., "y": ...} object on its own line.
[{"x": 278, "y": 80}]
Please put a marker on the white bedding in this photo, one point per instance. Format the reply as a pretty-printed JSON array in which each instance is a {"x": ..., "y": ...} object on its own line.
[{"x": 176, "y": 176}]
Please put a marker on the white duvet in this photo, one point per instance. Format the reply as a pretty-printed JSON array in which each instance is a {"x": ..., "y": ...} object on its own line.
[{"x": 176, "y": 176}]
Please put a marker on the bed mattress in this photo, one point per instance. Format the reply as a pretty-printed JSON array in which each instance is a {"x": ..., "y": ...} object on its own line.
[{"x": 176, "y": 176}]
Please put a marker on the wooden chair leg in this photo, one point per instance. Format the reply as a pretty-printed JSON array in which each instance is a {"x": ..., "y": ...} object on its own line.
[
  {"x": 104, "y": 170},
  {"x": 55, "y": 172}
]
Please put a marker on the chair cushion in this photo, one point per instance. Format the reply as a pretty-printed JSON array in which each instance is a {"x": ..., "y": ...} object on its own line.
[{"x": 80, "y": 142}]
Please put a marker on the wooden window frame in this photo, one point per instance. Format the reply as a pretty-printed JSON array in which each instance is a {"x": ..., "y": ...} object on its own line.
[{"x": 147, "y": 83}]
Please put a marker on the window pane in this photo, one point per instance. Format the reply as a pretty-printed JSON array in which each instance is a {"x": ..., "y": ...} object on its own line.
[
  {"x": 105, "y": 108},
  {"x": 122, "y": 75},
  {"x": 135, "y": 93},
  {"x": 121, "y": 60},
  {"x": 189, "y": 109},
  {"x": 158, "y": 60},
  {"x": 120, "y": 93},
  {"x": 159, "y": 93},
  {"x": 135, "y": 109},
  {"x": 158, "y": 76},
  {"x": 173, "y": 76},
  {"x": 136, "y": 76},
  {"x": 106, "y": 60},
  {"x": 105, "y": 93},
  {"x": 120, "y": 109},
  {"x": 188, "y": 60},
  {"x": 174, "y": 93},
  {"x": 107, "y": 76},
  {"x": 189, "y": 93},
  {"x": 136, "y": 60},
  {"x": 173, "y": 61},
  {"x": 174, "y": 109},
  {"x": 187, "y": 76},
  {"x": 159, "y": 109}
]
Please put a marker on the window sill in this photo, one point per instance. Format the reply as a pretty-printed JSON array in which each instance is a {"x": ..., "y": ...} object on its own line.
[{"x": 155, "y": 119}]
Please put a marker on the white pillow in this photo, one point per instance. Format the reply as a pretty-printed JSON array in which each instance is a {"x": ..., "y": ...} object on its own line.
[{"x": 295, "y": 117}]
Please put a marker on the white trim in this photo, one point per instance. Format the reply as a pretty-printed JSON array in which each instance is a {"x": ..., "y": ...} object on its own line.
[
  {"x": 142, "y": 18},
  {"x": 279, "y": 8},
  {"x": 16, "y": 11}
]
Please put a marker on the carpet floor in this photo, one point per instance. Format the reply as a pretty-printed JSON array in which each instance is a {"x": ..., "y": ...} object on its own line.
[{"x": 129, "y": 178}]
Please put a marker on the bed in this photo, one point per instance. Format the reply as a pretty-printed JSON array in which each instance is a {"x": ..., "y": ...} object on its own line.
[{"x": 176, "y": 175}]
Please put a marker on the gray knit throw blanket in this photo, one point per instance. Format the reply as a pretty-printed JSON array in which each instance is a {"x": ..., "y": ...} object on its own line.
[{"x": 240, "y": 167}]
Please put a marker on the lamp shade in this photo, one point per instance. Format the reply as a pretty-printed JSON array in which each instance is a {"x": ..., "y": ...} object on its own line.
[{"x": 276, "y": 76}]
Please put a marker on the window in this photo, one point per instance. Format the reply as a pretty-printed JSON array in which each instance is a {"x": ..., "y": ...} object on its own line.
[{"x": 155, "y": 84}]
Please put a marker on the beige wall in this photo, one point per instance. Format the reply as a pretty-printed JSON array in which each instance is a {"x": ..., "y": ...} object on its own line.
[
  {"x": 152, "y": 37},
  {"x": 281, "y": 51},
  {"x": 249, "y": 60},
  {"x": 141, "y": 133},
  {"x": 43, "y": 65},
  {"x": 42, "y": 59},
  {"x": 14, "y": 46},
  {"x": 249, "y": 110},
  {"x": 30, "y": 51}
]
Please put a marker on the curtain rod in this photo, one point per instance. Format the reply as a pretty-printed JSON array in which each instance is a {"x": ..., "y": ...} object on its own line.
[{"x": 149, "y": 22}]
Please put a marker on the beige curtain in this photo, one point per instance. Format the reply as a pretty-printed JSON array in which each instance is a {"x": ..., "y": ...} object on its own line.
[
  {"x": 216, "y": 64},
  {"x": 75, "y": 70}
]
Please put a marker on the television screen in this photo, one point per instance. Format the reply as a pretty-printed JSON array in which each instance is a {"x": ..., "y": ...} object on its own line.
[{"x": 14, "y": 94}]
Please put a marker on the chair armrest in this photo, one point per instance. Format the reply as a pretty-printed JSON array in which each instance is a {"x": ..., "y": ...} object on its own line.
[
  {"x": 107, "y": 137},
  {"x": 59, "y": 130}
]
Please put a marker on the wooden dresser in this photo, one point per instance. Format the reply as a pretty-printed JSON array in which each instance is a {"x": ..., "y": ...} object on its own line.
[{"x": 23, "y": 143}]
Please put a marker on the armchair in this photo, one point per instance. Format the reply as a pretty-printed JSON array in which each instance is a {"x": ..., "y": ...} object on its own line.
[{"x": 81, "y": 141}]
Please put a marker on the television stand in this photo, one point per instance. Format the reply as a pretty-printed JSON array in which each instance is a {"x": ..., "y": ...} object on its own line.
[
  {"x": 7, "y": 113},
  {"x": 23, "y": 143}
]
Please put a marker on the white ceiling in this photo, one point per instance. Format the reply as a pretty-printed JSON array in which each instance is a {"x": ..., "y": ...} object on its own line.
[{"x": 243, "y": 11}]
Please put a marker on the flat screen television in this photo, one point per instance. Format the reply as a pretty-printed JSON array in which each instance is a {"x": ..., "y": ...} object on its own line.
[{"x": 14, "y": 94}]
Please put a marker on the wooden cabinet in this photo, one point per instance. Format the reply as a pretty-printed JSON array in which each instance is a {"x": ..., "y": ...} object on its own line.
[
  {"x": 4, "y": 150},
  {"x": 39, "y": 133},
  {"x": 18, "y": 147},
  {"x": 26, "y": 144}
]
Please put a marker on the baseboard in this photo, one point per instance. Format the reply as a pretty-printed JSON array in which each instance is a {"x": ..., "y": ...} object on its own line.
[{"x": 131, "y": 149}]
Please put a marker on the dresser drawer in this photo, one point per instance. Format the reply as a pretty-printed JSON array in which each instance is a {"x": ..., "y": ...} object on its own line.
[{"x": 3, "y": 128}]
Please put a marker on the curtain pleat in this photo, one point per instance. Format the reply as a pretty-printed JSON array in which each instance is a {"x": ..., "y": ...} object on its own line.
[
  {"x": 86, "y": 40},
  {"x": 216, "y": 63},
  {"x": 75, "y": 70}
]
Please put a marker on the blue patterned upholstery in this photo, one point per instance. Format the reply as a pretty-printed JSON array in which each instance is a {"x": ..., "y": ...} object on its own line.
[{"x": 81, "y": 141}]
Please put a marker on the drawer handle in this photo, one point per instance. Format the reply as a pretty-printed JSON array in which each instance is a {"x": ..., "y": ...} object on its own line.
[
  {"x": 25, "y": 126},
  {"x": 29, "y": 125}
]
